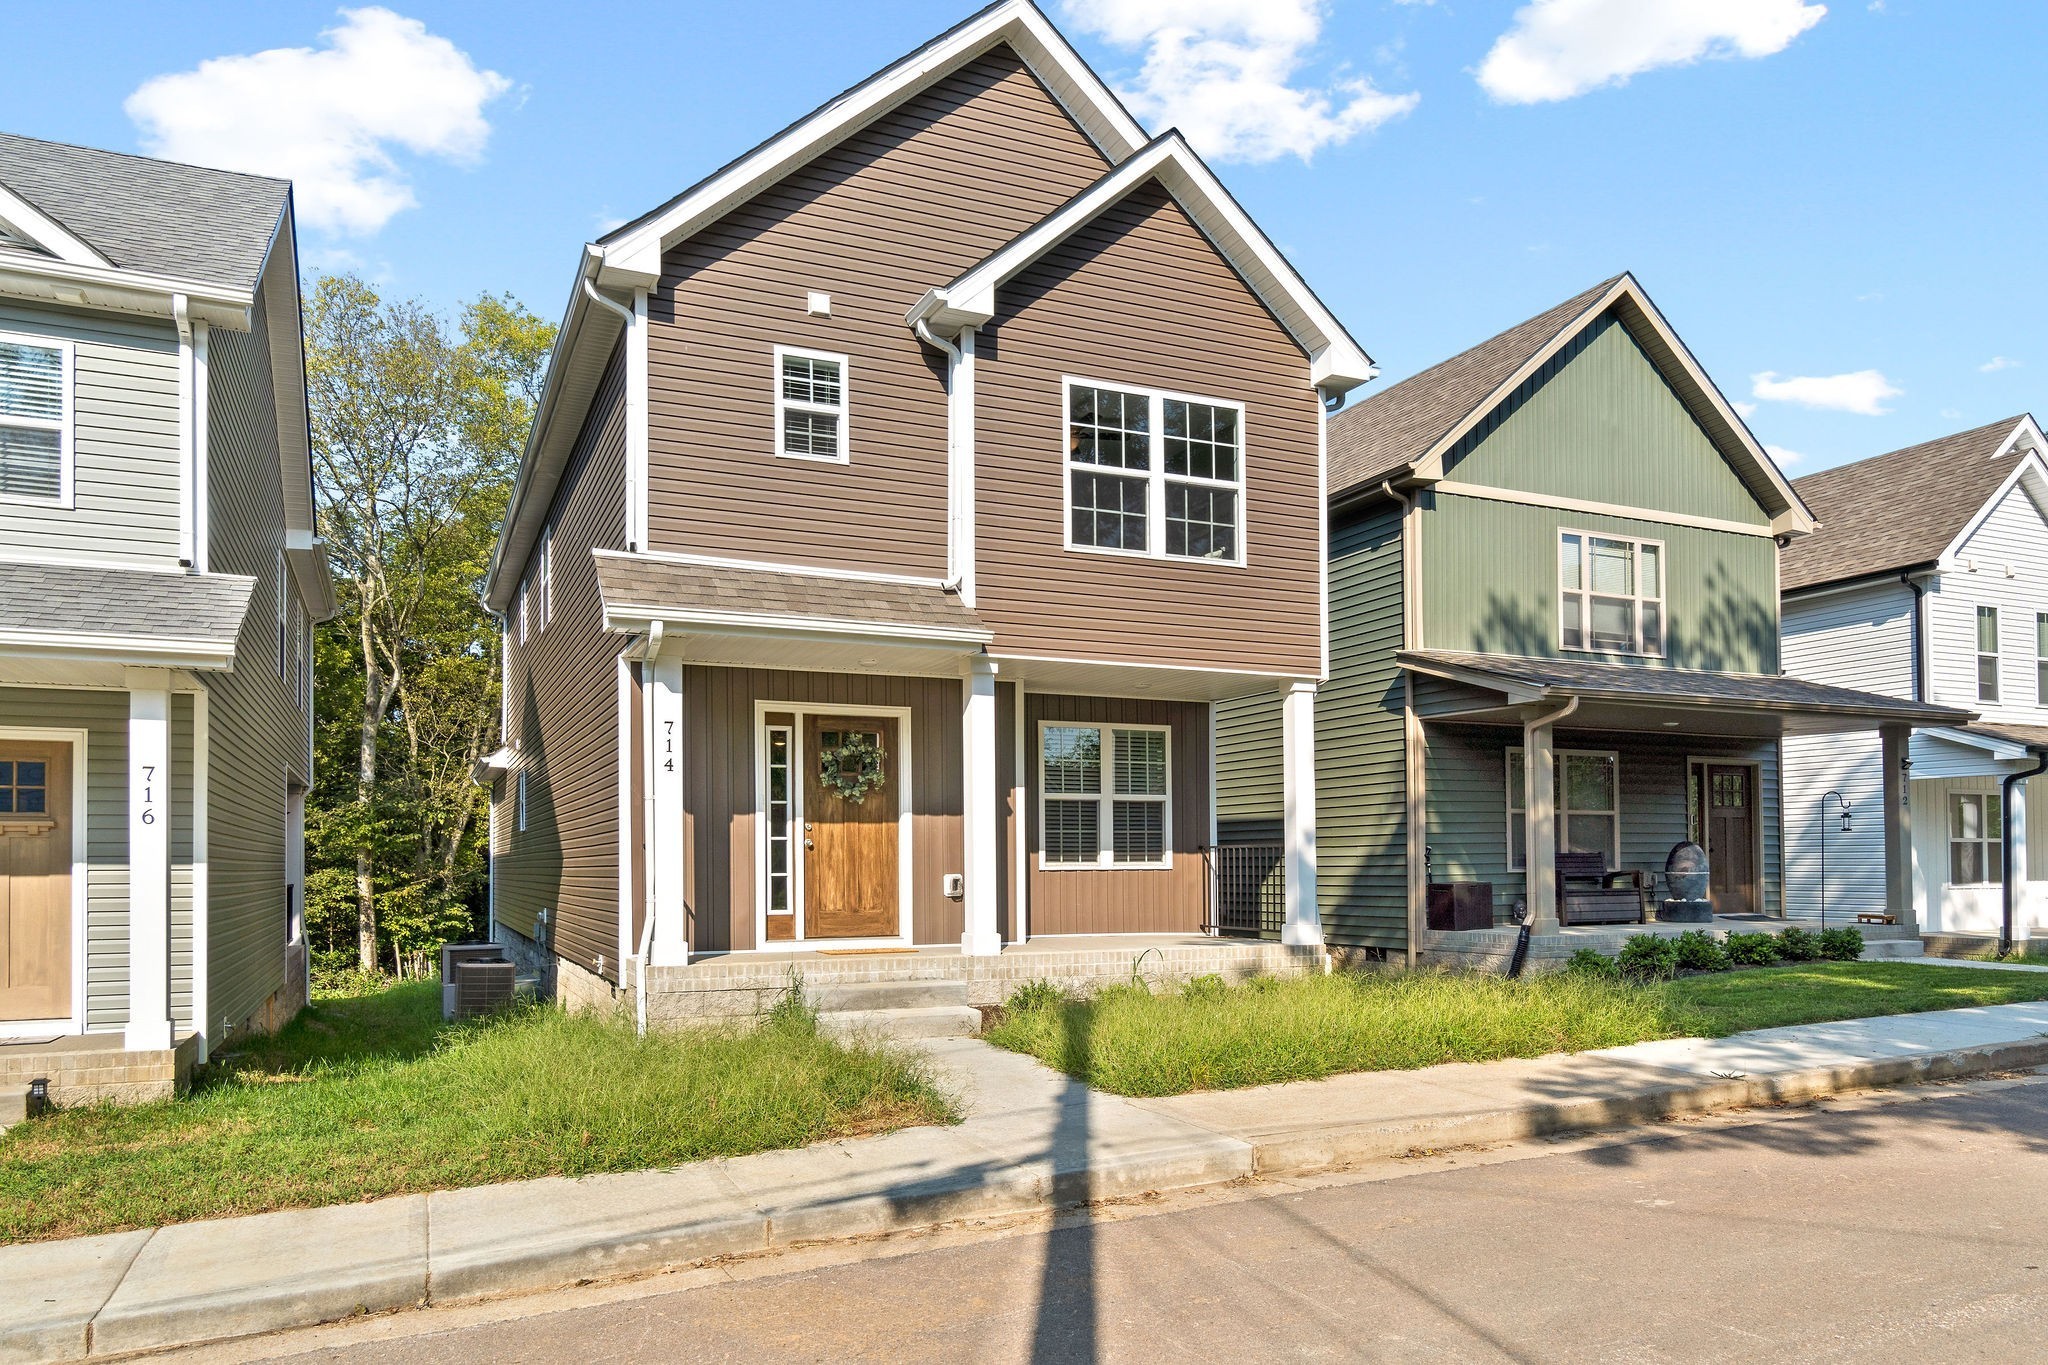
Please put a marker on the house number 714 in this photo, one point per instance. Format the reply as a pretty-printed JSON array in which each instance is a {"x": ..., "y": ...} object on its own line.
[
  {"x": 668, "y": 739},
  {"x": 148, "y": 793}
]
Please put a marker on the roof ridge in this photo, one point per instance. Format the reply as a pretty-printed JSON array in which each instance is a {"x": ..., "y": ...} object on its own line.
[{"x": 2006, "y": 424}]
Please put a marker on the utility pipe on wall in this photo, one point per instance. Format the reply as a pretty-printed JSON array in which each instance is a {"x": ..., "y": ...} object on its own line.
[{"x": 2006, "y": 874}]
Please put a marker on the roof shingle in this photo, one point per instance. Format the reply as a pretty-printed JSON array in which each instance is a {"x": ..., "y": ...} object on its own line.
[{"x": 142, "y": 604}]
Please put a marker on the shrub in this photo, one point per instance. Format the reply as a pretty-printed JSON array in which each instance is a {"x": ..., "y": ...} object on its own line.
[
  {"x": 1841, "y": 945},
  {"x": 1036, "y": 994},
  {"x": 1751, "y": 950},
  {"x": 1649, "y": 957},
  {"x": 1587, "y": 962},
  {"x": 1208, "y": 986},
  {"x": 1798, "y": 945},
  {"x": 1700, "y": 951}
]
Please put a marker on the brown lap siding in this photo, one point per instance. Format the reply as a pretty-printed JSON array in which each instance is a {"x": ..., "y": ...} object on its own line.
[
  {"x": 719, "y": 763},
  {"x": 1136, "y": 900}
]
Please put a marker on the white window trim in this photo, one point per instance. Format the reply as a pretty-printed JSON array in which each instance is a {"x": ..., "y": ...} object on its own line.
[
  {"x": 1507, "y": 760},
  {"x": 542, "y": 581},
  {"x": 1105, "y": 799},
  {"x": 1586, "y": 594},
  {"x": 1980, "y": 654},
  {"x": 1155, "y": 475},
  {"x": 2041, "y": 658},
  {"x": 520, "y": 783},
  {"x": 844, "y": 410},
  {"x": 1991, "y": 839},
  {"x": 283, "y": 620},
  {"x": 65, "y": 426}
]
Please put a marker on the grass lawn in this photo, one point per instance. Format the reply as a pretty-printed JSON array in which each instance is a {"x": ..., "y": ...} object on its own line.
[
  {"x": 374, "y": 1095},
  {"x": 1215, "y": 1037}
]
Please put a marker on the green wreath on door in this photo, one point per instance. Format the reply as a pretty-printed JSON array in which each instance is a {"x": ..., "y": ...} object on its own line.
[{"x": 853, "y": 767}]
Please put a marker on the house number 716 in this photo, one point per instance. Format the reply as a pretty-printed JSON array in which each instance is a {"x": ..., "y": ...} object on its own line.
[{"x": 148, "y": 793}]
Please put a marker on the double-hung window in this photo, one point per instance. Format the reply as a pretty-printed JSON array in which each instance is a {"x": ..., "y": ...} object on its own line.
[
  {"x": 1154, "y": 473},
  {"x": 1976, "y": 848},
  {"x": 1987, "y": 654},
  {"x": 1610, "y": 593},
  {"x": 810, "y": 405},
  {"x": 1587, "y": 796},
  {"x": 1104, "y": 795},
  {"x": 35, "y": 420},
  {"x": 2041, "y": 657}
]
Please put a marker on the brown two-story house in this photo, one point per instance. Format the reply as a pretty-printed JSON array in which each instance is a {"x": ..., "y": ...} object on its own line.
[{"x": 903, "y": 499}]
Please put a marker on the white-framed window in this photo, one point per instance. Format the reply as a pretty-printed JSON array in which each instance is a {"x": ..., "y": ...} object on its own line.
[
  {"x": 521, "y": 799},
  {"x": 1987, "y": 654},
  {"x": 1610, "y": 592},
  {"x": 519, "y": 611},
  {"x": 1153, "y": 473},
  {"x": 540, "y": 585},
  {"x": 810, "y": 405},
  {"x": 35, "y": 420},
  {"x": 283, "y": 594},
  {"x": 781, "y": 826},
  {"x": 1976, "y": 848},
  {"x": 1104, "y": 795},
  {"x": 1587, "y": 794},
  {"x": 2041, "y": 658}
]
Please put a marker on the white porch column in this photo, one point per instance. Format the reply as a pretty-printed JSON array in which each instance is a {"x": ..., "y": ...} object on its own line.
[
  {"x": 1898, "y": 825},
  {"x": 149, "y": 859},
  {"x": 1304, "y": 922},
  {"x": 982, "y": 936},
  {"x": 665, "y": 829},
  {"x": 1539, "y": 804}
]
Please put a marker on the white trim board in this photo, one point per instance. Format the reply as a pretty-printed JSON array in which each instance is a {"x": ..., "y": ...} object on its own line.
[
  {"x": 1491, "y": 493},
  {"x": 80, "y": 948}
]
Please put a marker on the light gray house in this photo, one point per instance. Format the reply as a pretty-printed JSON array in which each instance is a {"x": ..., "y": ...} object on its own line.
[
  {"x": 1928, "y": 580},
  {"x": 159, "y": 579}
]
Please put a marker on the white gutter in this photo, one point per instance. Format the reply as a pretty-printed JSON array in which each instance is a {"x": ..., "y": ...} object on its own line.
[{"x": 957, "y": 358}]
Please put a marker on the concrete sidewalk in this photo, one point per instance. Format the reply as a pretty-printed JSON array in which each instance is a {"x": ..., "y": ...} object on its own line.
[{"x": 1032, "y": 1140}]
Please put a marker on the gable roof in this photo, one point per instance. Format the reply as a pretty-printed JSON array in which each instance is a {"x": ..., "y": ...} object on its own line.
[
  {"x": 1403, "y": 432},
  {"x": 1336, "y": 362},
  {"x": 150, "y": 217},
  {"x": 1903, "y": 509}
]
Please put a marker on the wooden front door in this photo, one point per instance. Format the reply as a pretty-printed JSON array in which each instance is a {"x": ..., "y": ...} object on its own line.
[
  {"x": 1730, "y": 793},
  {"x": 850, "y": 842},
  {"x": 35, "y": 880}
]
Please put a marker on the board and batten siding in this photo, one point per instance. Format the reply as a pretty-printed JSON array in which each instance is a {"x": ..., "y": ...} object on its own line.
[
  {"x": 1862, "y": 638},
  {"x": 1141, "y": 297},
  {"x": 128, "y": 462},
  {"x": 257, "y": 731},
  {"x": 1137, "y": 900},
  {"x": 720, "y": 757},
  {"x": 562, "y": 715},
  {"x": 1598, "y": 422},
  {"x": 1491, "y": 570},
  {"x": 899, "y": 207}
]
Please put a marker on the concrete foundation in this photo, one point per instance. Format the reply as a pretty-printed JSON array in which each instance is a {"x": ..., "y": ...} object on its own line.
[{"x": 93, "y": 1067}]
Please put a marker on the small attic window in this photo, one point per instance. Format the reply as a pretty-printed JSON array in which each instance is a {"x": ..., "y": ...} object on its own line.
[{"x": 810, "y": 405}]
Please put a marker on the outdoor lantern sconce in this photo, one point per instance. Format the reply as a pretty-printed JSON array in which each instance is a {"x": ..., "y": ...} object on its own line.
[{"x": 1824, "y": 849}]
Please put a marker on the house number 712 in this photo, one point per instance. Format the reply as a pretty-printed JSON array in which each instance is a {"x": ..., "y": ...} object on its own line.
[{"x": 148, "y": 793}]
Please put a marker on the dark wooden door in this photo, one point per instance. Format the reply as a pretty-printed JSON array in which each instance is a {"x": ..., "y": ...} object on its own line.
[
  {"x": 850, "y": 844},
  {"x": 1731, "y": 838},
  {"x": 35, "y": 881}
]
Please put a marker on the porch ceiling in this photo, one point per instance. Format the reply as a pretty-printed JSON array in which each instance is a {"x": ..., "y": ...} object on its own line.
[{"x": 1508, "y": 691}]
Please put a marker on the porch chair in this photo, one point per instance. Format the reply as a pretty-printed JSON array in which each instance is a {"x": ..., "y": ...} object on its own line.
[{"x": 1587, "y": 893}]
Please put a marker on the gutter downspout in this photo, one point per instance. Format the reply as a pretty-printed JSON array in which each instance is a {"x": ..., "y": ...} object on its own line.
[
  {"x": 955, "y": 573},
  {"x": 1411, "y": 734},
  {"x": 1919, "y": 592},
  {"x": 2005, "y": 881},
  {"x": 630, "y": 318}
]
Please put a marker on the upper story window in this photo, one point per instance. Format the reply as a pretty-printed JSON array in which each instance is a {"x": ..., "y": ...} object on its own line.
[
  {"x": 2041, "y": 657},
  {"x": 540, "y": 584},
  {"x": 1104, "y": 795},
  {"x": 810, "y": 404},
  {"x": 1610, "y": 593},
  {"x": 1987, "y": 654},
  {"x": 1154, "y": 474},
  {"x": 35, "y": 420}
]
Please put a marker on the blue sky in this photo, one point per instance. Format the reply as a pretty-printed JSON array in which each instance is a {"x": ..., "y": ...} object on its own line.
[{"x": 1847, "y": 202}]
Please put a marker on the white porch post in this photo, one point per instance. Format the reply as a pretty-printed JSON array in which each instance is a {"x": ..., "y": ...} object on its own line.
[
  {"x": 1898, "y": 824},
  {"x": 982, "y": 936},
  {"x": 1539, "y": 840},
  {"x": 149, "y": 859},
  {"x": 1304, "y": 922},
  {"x": 665, "y": 830}
]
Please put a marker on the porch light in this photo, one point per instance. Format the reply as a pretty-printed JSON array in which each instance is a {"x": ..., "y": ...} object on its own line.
[{"x": 1845, "y": 820}]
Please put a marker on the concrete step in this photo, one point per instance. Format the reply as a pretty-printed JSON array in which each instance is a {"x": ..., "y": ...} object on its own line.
[
  {"x": 1874, "y": 949},
  {"x": 887, "y": 995},
  {"x": 13, "y": 1105},
  {"x": 937, "y": 1021}
]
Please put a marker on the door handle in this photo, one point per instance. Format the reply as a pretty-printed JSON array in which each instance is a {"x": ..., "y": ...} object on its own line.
[{"x": 809, "y": 844}]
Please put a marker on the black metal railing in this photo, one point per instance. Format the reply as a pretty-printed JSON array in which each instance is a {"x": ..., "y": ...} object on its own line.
[{"x": 1247, "y": 890}]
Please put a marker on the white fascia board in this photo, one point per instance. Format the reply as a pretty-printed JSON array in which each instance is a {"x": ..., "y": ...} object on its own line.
[
  {"x": 634, "y": 258},
  {"x": 285, "y": 327},
  {"x": 1336, "y": 362},
  {"x": 150, "y": 652},
  {"x": 2028, "y": 463},
  {"x": 630, "y": 618},
  {"x": 306, "y": 553},
  {"x": 126, "y": 291},
  {"x": 2002, "y": 749},
  {"x": 30, "y": 222},
  {"x": 492, "y": 766}
]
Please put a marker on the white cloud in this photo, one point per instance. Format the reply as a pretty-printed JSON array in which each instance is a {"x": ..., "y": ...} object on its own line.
[
  {"x": 329, "y": 117},
  {"x": 1561, "y": 48},
  {"x": 1744, "y": 410},
  {"x": 1997, "y": 363},
  {"x": 1224, "y": 73},
  {"x": 1783, "y": 456},
  {"x": 1860, "y": 391}
]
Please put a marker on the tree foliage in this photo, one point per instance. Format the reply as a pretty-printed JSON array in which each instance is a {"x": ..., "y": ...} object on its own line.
[{"x": 417, "y": 429}]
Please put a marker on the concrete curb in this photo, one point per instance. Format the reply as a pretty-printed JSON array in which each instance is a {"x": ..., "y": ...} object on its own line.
[
  {"x": 187, "y": 1284},
  {"x": 1340, "y": 1145}
]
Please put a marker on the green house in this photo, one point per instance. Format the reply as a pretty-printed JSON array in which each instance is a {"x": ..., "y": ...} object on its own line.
[{"x": 1553, "y": 567}]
